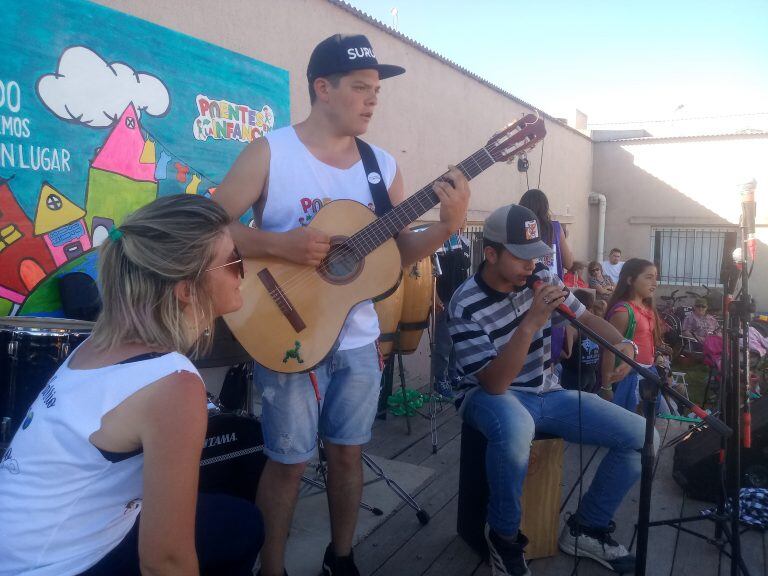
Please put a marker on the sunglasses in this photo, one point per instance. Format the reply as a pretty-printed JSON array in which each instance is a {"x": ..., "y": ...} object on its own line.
[
  {"x": 594, "y": 269},
  {"x": 237, "y": 259}
]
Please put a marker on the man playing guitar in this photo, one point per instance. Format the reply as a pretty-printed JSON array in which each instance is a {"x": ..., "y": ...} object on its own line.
[{"x": 286, "y": 178}]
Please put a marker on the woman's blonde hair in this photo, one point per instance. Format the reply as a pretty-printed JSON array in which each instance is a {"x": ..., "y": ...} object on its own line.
[{"x": 169, "y": 240}]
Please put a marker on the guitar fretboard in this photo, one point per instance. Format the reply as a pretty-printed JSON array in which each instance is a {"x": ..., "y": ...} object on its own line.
[{"x": 382, "y": 229}]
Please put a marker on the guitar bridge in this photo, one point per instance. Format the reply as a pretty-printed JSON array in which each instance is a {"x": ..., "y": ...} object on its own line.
[{"x": 279, "y": 298}]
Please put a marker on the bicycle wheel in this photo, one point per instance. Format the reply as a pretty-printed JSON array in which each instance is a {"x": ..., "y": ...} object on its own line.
[{"x": 673, "y": 334}]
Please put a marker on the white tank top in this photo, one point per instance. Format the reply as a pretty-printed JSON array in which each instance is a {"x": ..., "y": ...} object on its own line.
[
  {"x": 299, "y": 185},
  {"x": 63, "y": 505}
]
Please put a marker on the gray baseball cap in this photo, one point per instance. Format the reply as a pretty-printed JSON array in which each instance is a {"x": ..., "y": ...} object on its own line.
[{"x": 517, "y": 228}]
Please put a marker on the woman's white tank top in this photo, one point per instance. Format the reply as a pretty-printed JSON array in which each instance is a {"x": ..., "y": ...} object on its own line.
[{"x": 63, "y": 505}]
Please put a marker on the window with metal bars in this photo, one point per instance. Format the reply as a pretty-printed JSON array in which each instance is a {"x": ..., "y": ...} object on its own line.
[{"x": 691, "y": 256}]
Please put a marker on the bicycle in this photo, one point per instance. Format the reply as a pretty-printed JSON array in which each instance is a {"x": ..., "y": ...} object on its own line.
[{"x": 673, "y": 314}]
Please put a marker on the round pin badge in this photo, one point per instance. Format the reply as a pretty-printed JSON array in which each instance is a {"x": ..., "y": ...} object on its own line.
[{"x": 374, "y": 177}]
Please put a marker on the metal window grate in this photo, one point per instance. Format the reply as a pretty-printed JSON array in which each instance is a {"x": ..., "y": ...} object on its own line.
[{"x": 691, "y": 256}]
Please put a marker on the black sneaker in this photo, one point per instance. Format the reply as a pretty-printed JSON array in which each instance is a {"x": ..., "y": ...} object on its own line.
[
  {"x": 285, "y": 573},
  {"x": 506, "y": 559},
  {"x": 597, "y": 544},
  {"x": 339, "y": 565}
]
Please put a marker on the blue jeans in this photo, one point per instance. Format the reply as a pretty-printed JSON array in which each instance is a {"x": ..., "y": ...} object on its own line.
[
  {"x": 627, "y": 394},
  {"x": 349, "y": 382},
  {"x": 229, "y": 533},
  {"x": 509, "y": 422},
  {"x": 443, "y": 358}
]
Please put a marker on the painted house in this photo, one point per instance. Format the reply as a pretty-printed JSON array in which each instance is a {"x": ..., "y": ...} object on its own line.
[
  {"x": 118, "y": 181},
  {"x": 26, "y": 259},
  {"x": 61, "y": 223}
]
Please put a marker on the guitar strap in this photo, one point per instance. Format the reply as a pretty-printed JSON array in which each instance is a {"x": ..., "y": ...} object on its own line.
[{"x": 381, "y": 202}]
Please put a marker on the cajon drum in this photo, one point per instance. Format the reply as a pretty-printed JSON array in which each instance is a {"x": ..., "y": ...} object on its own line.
[
  {"x": 541, "y": 497},
  {"x": 541, "y": 494}
]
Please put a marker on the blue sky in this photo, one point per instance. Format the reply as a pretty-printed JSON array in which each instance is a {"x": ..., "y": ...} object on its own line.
[{"x": 615, "y": 60}]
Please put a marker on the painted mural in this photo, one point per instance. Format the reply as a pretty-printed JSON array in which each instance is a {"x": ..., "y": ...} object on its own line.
[{"x": 100, "y": 113}]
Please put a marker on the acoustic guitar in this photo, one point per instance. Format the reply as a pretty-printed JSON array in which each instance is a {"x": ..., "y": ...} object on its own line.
[{"x": 293, "y": 314}]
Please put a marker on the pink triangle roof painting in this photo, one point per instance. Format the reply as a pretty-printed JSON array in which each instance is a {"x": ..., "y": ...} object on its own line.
[{"x": 121, "y": 150}]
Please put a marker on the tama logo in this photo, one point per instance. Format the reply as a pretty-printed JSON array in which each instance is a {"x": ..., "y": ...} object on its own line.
[
  {"x": 360, "y": 53},
  {"x": 220, "y": 439}
]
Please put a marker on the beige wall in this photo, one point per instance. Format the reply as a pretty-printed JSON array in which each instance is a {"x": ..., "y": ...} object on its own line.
[
  {"x": 681, "y": 182},
  {"x": 431, "y": 116}
]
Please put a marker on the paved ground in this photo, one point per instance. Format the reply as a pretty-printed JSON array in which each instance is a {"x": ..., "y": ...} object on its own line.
[{"x": 402, "y": 546}]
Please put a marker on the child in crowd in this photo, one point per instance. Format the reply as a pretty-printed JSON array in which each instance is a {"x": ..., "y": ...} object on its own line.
[
  {"x": 599, "y": 306},
  {"x": 632, "y": 312},
  {"x": 581, "y": 354},
  {"x": 573, "y": 278}
]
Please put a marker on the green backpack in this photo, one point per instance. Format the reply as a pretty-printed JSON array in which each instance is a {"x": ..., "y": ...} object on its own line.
[{"x": 631, "y": 325}]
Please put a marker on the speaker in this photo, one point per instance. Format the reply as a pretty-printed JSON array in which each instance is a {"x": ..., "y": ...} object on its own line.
[{"x": 695, "y": 465}]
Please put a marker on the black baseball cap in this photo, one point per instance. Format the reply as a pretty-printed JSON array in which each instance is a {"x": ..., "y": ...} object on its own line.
[
  {"x": 345, "y": 53},
  {"x": 517, "y": 228}
]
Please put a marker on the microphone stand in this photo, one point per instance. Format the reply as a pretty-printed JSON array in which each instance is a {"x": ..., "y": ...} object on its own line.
[
  {"x": 736, "y": 316},
  {"x": 651, "y": 384}
]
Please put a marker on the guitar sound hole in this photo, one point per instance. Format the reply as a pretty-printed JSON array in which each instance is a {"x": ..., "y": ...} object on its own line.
[{"x": 341, "y": 265}]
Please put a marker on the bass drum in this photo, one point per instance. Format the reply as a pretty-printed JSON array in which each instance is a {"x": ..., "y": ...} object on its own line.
[
  {"x": 389, "y": 307},
  {"x": 417, "y": 304}
]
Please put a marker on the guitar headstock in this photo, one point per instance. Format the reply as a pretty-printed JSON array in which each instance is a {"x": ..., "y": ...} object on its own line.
[{"x": 517, "y": 138}]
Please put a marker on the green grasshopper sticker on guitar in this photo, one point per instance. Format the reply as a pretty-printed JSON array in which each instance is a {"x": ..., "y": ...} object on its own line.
[{"x": 294, "y": 353}]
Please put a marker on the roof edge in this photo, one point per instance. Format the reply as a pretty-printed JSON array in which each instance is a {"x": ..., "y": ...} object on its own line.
[{"x": 652, "y": 139}]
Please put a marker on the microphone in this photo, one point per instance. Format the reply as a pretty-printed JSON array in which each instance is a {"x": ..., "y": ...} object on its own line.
[{"x": 533, "y": 282}]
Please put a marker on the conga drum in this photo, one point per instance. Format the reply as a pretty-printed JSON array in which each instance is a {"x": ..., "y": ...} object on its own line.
[
  {"x": 417, "y": 304},
  {"x": 388, "y": 307}
]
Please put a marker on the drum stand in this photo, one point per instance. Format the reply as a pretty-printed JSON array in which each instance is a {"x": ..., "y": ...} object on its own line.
[
  {"x": 321, "y": 469},
  {"x": 434, "y": 405}
]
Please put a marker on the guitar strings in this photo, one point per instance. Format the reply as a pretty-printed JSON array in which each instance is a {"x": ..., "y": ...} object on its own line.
[
  {"x": 366, "y": 238},
  {"x": 347, "y": 250},
  {"x": 367, "y": 234}
]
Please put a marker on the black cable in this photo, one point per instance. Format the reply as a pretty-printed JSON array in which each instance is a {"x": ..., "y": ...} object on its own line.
[
  {"x": 581, "y": 442},
  {"x": 677, "y": 537},
  {"x": 541, "y": 163}
]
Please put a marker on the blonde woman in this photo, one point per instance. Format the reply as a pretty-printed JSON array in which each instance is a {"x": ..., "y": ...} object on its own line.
[{"x": 101, "y": 478}]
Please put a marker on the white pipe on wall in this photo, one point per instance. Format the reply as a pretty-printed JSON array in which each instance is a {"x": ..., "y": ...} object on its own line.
[{"x": 596, "y": 198}]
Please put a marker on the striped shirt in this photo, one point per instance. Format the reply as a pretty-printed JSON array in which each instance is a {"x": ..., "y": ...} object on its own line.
[{"x": 482, "y": 320}]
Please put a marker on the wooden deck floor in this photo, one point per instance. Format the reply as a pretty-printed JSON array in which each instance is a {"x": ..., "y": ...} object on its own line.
[{"x": 402, "y": 546}]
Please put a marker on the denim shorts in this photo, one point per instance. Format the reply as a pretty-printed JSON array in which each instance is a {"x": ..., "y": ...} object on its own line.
[{"x": 349, "y": 383}]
